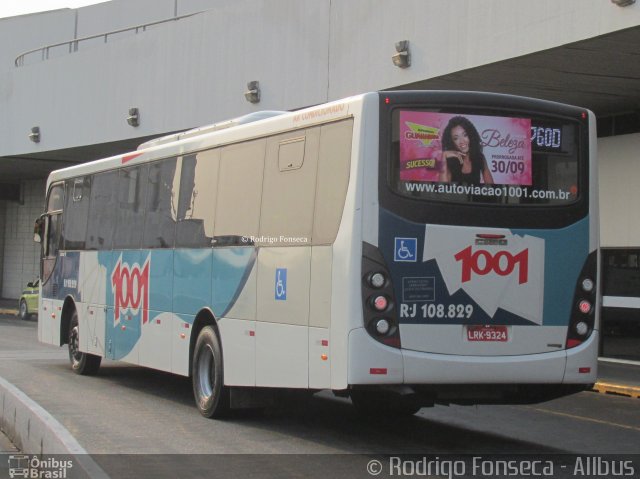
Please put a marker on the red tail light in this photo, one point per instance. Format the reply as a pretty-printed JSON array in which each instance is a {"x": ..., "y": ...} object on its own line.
[
  {"x": 572, "y": 343},
  {"x": 380, "y": 303},
  {"x": 584, "y": 306}
]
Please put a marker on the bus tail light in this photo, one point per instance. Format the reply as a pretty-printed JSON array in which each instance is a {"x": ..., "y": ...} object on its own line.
[
  {"x": 582, "y": 328},
  {"x": 572, "y": 343},
  {"x": 378, "y": 298},
  {"x": 587, "y": 285},
  {"x": 383, "y": 326},
  {"x": 585, "y": 307},
  {"x": 380, "y": 303},
  {"x": 392, "y": 340},
  {"x": 583, "y": 315},
  {"x": 377, "y": 280}
]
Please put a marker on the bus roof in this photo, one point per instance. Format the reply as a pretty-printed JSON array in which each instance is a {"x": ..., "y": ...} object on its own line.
[{"x": 253, "y": 125}]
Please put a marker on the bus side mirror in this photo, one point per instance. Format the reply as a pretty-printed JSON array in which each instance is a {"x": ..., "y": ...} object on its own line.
[{"x": 37, "y": 229}]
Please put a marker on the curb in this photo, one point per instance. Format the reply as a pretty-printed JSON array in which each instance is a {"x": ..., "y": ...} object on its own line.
[
  {"x": 13, "y": 312},
  {"x": 34, "y": 431},
  {"x": 617, "y": 389}
]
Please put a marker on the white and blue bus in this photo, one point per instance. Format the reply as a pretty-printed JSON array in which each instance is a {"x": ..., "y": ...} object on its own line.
[{"x": 403, "y": 248}]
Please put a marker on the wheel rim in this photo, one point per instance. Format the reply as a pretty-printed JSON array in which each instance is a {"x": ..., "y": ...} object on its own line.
[
  {"x": 206, "y": 372},
  {"x": 74, "y": 348}
]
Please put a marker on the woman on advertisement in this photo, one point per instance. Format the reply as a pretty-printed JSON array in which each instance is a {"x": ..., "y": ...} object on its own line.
[{"x": 463, "y": 160}]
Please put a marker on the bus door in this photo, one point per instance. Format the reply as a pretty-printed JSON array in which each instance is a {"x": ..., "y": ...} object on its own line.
[{"x": 50, "y": 246}]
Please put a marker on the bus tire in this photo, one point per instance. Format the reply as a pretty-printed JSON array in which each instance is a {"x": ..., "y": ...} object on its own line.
[
  {"x": 84, "y": 364},
  {"x": 372, "y": 403},
  {"x": 209, "y": 391}
]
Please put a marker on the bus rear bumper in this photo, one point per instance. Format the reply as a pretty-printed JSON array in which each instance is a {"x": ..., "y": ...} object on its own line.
[
  {"x": 582, "y": 361},
  {"x": 376, "y": 363},
  {"x": 425, "y": 368}
]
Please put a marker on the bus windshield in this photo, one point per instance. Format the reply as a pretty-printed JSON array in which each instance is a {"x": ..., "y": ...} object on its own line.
[{"x": 473, "y": 157}]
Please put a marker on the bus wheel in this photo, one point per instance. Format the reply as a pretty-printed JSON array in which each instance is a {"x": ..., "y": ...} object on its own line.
[
  {"x": 373, "y": 403},
  {"x": 81, "y": 363},
  {"x": 212, "y": 397}
]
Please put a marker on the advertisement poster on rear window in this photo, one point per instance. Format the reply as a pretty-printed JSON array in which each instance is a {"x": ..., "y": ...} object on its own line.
[{"x": 469, "y": 149}]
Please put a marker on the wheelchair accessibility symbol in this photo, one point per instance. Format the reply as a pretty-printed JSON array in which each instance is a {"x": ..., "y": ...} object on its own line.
[
  {"x": 405, "y": 250},
  {"x": 281, "y": 284}
]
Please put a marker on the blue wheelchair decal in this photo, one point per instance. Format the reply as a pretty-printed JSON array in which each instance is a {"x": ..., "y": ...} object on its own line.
[
  {"x": 281, "y": 284},
  {"x": 405, "y": 250}
]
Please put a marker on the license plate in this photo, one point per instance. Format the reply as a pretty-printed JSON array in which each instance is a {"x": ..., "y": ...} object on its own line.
[{"x": 487, "y": 333}]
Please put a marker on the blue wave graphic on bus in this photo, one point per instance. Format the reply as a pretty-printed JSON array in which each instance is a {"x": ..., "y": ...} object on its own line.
[{"x": 141, "y": 286}]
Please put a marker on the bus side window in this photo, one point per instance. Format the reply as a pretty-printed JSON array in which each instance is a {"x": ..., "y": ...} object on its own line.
[
  {"x": 54, "y": 210},
  {"x": 333, "y": 180},
  {"x": 76, "y": 213},
  {"x": 102, "y": 211},
  {"x": 53, "y": 235},
  {"x": 56, "y": 198},
  {"x": 132, "y": 188},
  {"x": 240, "y": 190},
  {"x": 52, "y": 230},
  {"x": 160, "y": 219},
  {"x": 290, "y": 186},
  {"x": 197, "y": 203}
]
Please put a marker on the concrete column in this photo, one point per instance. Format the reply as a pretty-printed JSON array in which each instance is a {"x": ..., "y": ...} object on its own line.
[
  {"x": 20, "y": 255},
  {"x": 3, "y": 213}
]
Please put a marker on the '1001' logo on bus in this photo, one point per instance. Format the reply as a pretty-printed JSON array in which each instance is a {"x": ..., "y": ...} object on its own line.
[
  {"x": 503, "y": 263},
  {"x": 130, "y": 285}
]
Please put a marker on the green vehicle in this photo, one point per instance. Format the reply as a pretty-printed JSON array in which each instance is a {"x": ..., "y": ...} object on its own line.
[{"x": 28, "y": 305}]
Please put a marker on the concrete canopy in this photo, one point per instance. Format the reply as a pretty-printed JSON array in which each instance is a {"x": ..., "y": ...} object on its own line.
[{"x": 601, "y": 74}]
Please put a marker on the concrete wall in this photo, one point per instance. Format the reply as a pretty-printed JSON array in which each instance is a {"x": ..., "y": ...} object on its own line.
[
  {"x": 188, "y": 73},
  {"x": 21, "y": 254},
  {"x": 66, "y": 24},
  {"x": 453, "y": 35},
  {"x": 3, "y": 214},
  {"x": 27, "y": 32},
  {"x": 619, "y": 169},
  {"x": 118, "y": 15}
]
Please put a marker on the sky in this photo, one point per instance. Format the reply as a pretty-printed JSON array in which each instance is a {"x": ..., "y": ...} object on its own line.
[{"x": 10, "y": 8}]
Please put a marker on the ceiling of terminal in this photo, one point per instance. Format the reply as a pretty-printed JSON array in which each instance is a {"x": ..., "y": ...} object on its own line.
[
  {"x": 601, "y": 73},
  {"x": 39, "y": 165}
]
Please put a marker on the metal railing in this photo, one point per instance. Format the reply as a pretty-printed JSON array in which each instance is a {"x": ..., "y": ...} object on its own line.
[{"x": 75, "y": 43}]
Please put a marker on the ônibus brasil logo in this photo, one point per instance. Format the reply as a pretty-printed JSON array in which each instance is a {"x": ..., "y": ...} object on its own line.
[
  {"x": 130, "y": 286},
  {"x": 502, "y": 263}
]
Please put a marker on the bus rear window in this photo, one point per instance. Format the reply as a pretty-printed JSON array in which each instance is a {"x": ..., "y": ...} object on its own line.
[{"x": 459, "y": 157}]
